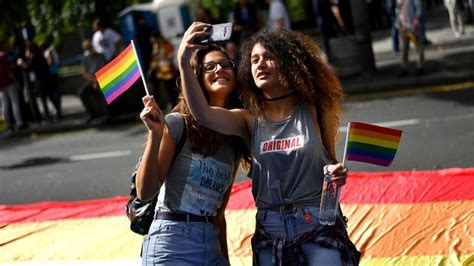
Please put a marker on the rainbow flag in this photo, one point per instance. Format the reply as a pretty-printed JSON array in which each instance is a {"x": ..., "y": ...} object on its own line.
[
  {"x": 119, "y": 75},
  {"x": 372, "y": 144},
  {"x": 402, "y": 218}
]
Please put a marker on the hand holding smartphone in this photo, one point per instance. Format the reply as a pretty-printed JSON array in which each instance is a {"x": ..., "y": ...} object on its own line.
[{"x": 218, "y": 33}]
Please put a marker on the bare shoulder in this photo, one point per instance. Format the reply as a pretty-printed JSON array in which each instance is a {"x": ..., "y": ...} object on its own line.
[{"x": 244, "y": 114}]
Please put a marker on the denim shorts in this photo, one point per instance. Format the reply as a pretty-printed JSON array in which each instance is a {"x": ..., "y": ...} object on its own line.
[
  {"x": 290, "y": 225},
  {"x": 182, "y": 243}
]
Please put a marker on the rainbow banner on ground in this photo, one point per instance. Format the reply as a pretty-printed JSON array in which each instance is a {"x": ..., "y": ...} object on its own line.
[
  {"x": 371, "y": 144},
  {"x": 402, "y": 218},
  {"x": 119, "y": 75}
]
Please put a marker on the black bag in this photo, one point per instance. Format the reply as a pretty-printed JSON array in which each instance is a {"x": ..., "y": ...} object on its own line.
[{"x": 140, "y": 213}]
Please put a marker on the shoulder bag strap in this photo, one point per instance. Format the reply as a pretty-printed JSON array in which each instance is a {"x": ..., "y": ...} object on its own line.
[{"x": 181, "y": 141}]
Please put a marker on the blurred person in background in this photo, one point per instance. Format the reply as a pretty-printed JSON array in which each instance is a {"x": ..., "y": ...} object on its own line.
[
  {"x": 471, "y": 11},
  {"x": 162, "y": 72},
  {"x": 278, "y": 17},
  {"x": 204, "y": 15},
  {"x": 142, "y": 39},
  {"x": 232, "y": 48},
  {"x": 390, "y": 8},
  {"x": 245, "y": 19},
  {"x": 329, "y": 22},
  {"x": 105, "y": 41},
  {"x": 40, "y": 77},
  {"x": 90, "y": 93},
  {"x": 455, "y": 16},
  {"x": 51, "y": 55},
  {"x": 408, "y": 24},
  {"x": 9, "y": 92}
]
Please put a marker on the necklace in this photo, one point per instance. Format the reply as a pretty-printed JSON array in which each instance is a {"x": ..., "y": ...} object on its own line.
[{"x": 277, "y": 98}]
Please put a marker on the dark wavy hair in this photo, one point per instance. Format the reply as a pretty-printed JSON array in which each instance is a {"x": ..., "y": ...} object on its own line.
[
  {"x": 303, "y": 70},
  {"x": 204, "y": 140}
]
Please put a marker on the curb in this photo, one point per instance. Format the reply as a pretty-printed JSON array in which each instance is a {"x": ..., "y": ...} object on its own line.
[
  {"x": 367, "y": 85},
  {"x": 71, "y": 124}
]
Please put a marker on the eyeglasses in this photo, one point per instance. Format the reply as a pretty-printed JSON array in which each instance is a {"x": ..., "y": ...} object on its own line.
[{"x": 211, "y": 66}]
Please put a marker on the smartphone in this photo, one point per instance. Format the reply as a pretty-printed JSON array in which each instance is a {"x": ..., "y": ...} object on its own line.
[{"x": 218, "y": 33}]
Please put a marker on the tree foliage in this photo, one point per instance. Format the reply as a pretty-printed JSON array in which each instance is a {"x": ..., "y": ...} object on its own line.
[{"x": 56, "y": 17}]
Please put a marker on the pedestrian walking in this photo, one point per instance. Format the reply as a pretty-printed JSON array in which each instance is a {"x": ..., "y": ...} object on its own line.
[
  {"x": 408, "y": 23},
  {"x": 294, "y": 99},
  {"x": 193, "y": 189},
  {"x": 390, "y": 9},
  {"x": 455, "y": 17}
]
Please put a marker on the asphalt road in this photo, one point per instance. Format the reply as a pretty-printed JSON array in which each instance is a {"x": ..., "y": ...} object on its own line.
[{"x": 438, "y": 133}]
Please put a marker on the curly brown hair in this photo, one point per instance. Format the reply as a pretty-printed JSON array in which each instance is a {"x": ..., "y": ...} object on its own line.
[
  {"x": 302, "y": 68},
  {"x": 204, "y": 140}
]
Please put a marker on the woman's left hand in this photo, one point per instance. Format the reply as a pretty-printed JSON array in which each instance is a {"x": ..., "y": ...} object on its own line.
[{"x": 338, "y": 173}]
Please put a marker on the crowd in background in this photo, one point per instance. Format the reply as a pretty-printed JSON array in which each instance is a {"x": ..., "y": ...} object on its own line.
[{"x": 29, "y": 88}]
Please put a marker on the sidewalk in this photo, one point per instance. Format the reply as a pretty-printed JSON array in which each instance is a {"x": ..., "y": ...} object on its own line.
[
  {"x": 74, "y": 118},
  {"x": 448, "y": 60}
]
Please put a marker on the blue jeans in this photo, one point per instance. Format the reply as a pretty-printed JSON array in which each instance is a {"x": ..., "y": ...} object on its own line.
[
  {"x": 9, "y": 96},
  {"x": 291, "y": 225},
  {"x": 394, "y": 34},
  {"x": 423, "y": 25},
  {"x": 182, "y": 243}
]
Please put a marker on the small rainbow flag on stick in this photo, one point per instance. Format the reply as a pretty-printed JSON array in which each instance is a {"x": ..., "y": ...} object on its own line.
[
  {"x": 119, "y": 75},
  {"x": 371, "y": 144}
]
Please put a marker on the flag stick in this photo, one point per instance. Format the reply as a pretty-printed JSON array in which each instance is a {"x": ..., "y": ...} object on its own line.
[
  {"x": 345, "y": 146},
  {"x": 140, "y": 68}
]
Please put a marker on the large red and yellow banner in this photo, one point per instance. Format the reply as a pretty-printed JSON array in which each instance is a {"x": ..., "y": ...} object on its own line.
[{"x": 395, "y": 218}]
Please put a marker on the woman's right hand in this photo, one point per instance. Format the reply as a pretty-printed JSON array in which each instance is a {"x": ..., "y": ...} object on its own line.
[
  {"x": 152, "y": 116},
  {"x": 188, "y": 45}
]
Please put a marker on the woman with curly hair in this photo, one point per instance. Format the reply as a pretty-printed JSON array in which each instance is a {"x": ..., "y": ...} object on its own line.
[
  {"x": 189, "y": 227},
  {"x": 293, "y": 105}
]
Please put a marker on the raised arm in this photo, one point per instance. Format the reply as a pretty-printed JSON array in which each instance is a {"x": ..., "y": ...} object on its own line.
[
  {"x": 155, "y": 161},
  {"x": 230, "y": 122}
]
